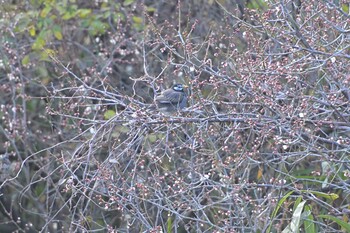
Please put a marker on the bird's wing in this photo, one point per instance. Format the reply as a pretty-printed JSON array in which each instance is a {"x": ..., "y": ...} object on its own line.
[{"x": 170, "y": 97}]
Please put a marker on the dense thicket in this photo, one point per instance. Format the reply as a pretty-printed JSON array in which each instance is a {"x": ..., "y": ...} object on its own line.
[{"x": 262, "y": 147}]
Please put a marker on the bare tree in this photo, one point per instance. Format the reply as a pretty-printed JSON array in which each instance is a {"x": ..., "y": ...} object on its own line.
[{"x": 263, "y": 145}]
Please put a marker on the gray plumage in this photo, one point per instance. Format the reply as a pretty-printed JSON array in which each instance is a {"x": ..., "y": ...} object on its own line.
[{"x": 172, "y": 99}]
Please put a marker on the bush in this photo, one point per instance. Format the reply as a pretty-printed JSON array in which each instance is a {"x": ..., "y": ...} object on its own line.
[{"x": 262, "y": 147}]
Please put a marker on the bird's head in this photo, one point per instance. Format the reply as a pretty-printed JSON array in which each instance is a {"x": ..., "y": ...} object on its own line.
[{"x": 179, "y": 87}]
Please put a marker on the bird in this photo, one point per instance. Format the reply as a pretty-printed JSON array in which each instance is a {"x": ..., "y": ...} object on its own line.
[{"x": 172, "y": 99}]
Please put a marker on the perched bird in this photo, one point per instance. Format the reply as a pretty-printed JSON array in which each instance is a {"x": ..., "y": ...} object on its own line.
[{"x": 172, "y": 99}]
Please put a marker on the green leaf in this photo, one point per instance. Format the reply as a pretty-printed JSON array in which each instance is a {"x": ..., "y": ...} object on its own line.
[
  {"x": 57, "y": 32},
  {"x": 169, "y": 223},
  {"x": 309, "y": 224},
  {"x": 279, "y": 204},
  {"x": 39, "y": 189},
  {"x": 97, "y": 27},
  {"x": 296, "y": 203},
  {"x": 123, "y": 129},
  {"x": 120, "y": 129},
  {"x": 109, "y": 114},
  {"x": 39, "y": 43},
  {"x": 293, "y": 227},
  {"x": 25, "y": 60},
  {"x": 42, "y": 72},
  {"x": 118, "y": 16},
  {"x": 340, "y": 222},
  {"x": 137, "y": 23},
  {"x": 151, "y": 9},
  {"x": 137, "y": 20},
  {"x": 68, "y": 15},
  {"x": 84, "y": 13},
  {"x": 71, "y": 12},
  {"x": 45, "y": 11},
  {"x": 152, "y": 138},
  {"x": 44, "y": 56},
  {"x": 257, "y": 4},
  {"x": 331, "y": 196},
  {"x": 128, "y": 2}
]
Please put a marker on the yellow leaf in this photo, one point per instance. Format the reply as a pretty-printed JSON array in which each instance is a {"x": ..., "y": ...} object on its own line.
[
  {"x": 137, "y": 19},
  {"x": 32, "y": 31},
  {"x": 109, "y": 114},
  {"x": 45, "y": 11},
  {"x": 50, "y": 52},
  {"x": 58, "y": 35},
  {"x": 260, "y": 173},
  {"x": 57, "y": 32}
]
